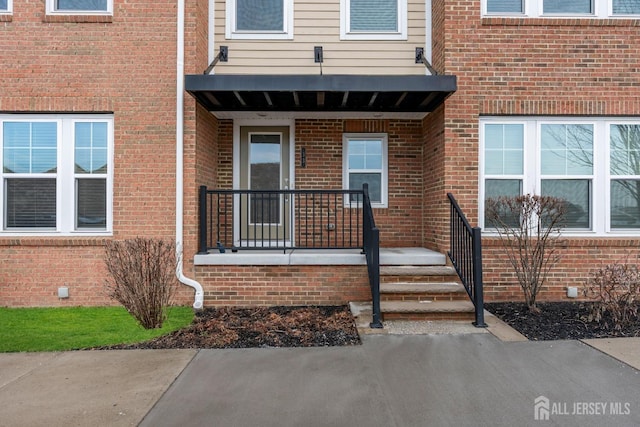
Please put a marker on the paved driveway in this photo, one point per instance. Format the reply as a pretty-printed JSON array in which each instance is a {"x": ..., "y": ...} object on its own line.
[{"x": 425, "y": 380}]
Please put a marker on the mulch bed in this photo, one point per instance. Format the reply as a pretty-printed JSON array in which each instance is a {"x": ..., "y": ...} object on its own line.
[
  {"x": 558, "y": 321},
  {"x": 229, "y": 327}
]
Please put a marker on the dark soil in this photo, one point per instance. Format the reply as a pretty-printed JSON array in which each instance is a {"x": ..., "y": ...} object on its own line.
[
  {"x": 558, "y": 321},
  {"x": 228, "y": 327}
]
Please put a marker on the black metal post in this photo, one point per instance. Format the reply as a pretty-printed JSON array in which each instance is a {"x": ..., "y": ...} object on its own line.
[
  {"x": 477, "y": 278},
  {"x": 203, "y": 220},
  {"x": 374, "y": 253}
]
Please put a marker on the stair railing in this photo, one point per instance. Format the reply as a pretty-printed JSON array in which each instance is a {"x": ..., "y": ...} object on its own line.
[
  {"x": 466, "y": 256},
  {"x": 371, "y": 243}
]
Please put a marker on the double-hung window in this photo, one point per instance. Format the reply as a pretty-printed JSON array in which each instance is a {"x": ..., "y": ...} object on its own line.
[
  {"x": 56, "y": 174},
  {"x": 5, "y": 7},
  {"x": 365, "y": 161},
  {"x": 80, "y": 7},
  {"x": 259, "y": 19},
  {"x": 567, "y": 8},
  {"x": 593, "y": 164},
  {"x": 373, "y": 19}
]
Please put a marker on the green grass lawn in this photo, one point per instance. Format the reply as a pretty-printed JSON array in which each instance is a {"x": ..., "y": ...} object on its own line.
[{"x": 72, "y": 328}]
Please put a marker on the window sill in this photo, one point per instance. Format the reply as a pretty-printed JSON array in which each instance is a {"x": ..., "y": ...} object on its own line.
[
  {"x": 373, "y": 36},
  {"x": 80, "y": 19},
  {"x": 48, "y": 241},
  {"x": 549, "y": 22},
  {"x": 259, "y": 36}
]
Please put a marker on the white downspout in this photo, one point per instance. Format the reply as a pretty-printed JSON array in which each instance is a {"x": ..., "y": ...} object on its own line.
[{"x": 199, "y": 296}]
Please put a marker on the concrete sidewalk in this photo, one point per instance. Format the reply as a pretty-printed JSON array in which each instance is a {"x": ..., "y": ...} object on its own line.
[
  {"x": 390, "y": 380},
  {"x": 85, "y": 388}
]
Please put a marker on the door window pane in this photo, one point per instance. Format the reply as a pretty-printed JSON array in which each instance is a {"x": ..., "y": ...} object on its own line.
[
  {"x": 628, "y": 7},
  {"x": 259, "y": 15},
  {"x": 577, "y": 195},
  {"x": 567, "y": 149},
  {"x": 30, "y": 203},
  {"x": 89, "y": 5},
  {"x": 91, "y": 203},
  {"x": 506, "y": 6},
  {"x": 567, "y": 6},
  {"x": 374, "y": 15},
  {"x": 264, "y": 159}
]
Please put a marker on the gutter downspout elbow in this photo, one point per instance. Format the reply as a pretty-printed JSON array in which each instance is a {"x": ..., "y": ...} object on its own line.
[{"x": 199, "y": 294}]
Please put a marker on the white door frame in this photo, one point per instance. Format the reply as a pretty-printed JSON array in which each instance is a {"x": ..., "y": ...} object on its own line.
[{"x": 237, "y": 124}]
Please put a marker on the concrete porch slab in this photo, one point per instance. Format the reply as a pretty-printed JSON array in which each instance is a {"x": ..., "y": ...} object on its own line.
[
  {"x": 288, "y": 257},
  {"x": 388, "y": 256}
]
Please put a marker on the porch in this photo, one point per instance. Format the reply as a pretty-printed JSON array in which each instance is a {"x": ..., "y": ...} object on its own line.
[{"x": 326, "y": 250}]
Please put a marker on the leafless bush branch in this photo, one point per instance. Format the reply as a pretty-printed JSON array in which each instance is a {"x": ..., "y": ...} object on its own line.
[
  {"x": 142, "y": 277},
  {"x": 529, "y": 228},
  {"x": 615, "y": 289}
]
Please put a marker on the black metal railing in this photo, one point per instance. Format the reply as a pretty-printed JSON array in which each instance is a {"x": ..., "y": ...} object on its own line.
[
  {"x": 280, "y": 219},
  {"x": 371, "y": 238},
  {"x": 466, "y": 255}
]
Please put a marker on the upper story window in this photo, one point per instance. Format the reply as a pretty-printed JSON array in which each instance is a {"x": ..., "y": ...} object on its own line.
[
  {"x": 555, "y": 8},
  {"x": 259, "y": 19},
  {"x": 591, "y": 163},
  {"x": 365, "y": 161},
  {"x": 5, "y": 6},
  {"x": 56, "y": 174},
  {"x": 373, "y": 19},
  {"x": 80, "y": 7}
]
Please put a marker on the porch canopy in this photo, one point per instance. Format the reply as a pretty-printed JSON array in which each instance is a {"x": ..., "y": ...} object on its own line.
[{"x": 361, "y": 93}]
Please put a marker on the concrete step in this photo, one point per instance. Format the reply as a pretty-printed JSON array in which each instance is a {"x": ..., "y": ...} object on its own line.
[
  {"x": 431, "y": 291},
  {"x": 417, "y": 274},
  {"x": 421, "y": 288},
  {"x": 427, "y": 310}
]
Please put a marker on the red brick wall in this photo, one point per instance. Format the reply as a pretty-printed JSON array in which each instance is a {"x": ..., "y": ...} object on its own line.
[
  {"x": 532, "y": 67},
  {"x": 283, "y": 285},
  {"x": 400, "y": 224},
  {"x": 123, "y": 65},
  {"x": 578, "y": 260}
]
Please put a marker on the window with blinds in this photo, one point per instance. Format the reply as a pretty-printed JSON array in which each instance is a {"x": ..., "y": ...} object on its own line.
[
  {"x": 373, "y": 19},
  {"x": 56, "y": 174}
]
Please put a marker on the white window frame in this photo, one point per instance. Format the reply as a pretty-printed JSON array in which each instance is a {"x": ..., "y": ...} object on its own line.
[
  {"x": 232, "y": 33},
  {"x": 602, "y": 9},
  {"x": 384, "y": 184},
  {"x": 51, "y": 10},
  {"x": 347, "y": 34},
  {"x": 65, "y": 176},
  {"x": 9, "y": 9},
  {"x": 600, "y": 179}
]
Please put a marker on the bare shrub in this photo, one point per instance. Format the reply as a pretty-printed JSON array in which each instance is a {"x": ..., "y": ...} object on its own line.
[
  {"x": 615, "y": 289},
  {"x": 142, "y": 277},
  {"x": 529, "y": 229}
]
